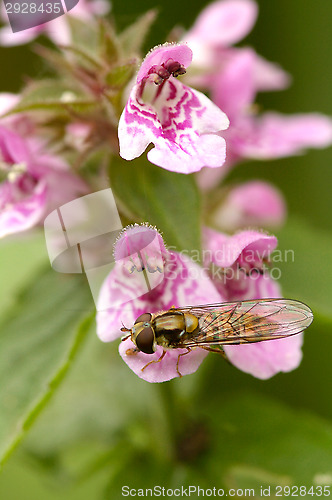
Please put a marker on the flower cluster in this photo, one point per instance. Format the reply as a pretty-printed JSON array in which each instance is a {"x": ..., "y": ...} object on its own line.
[
  {"x": 184, "y": 282},
  {"x": 34, "y": 181},
  {"x": 233, "y": 76},
  {"x": 194, "y": 100}
]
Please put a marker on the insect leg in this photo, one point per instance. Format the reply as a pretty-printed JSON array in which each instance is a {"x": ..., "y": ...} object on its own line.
[
  {"x": 179, "y": 356},
  {"x": 154, "y": 360},
  {"x": 219, "y": 351}
]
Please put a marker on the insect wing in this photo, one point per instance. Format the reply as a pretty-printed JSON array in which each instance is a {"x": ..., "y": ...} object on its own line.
[{"x": 248, "y": 321}]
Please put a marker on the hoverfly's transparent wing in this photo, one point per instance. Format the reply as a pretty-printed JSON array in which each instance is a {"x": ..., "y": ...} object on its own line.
[{"x": 248, "y": 321}]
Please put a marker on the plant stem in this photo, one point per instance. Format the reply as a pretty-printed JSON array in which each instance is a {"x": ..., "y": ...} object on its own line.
[{"x": 171, "y": 416}]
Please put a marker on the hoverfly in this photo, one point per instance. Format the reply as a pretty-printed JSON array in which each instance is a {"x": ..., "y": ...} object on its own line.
[{"x": 212, "y": 326}]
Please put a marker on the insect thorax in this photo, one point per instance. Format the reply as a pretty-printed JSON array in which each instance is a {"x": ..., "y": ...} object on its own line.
[{"x": 172, "y": 328}]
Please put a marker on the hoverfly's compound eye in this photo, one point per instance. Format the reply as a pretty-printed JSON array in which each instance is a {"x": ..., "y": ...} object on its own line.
[
  {"x": 145, "y": 340},
  {"x": 144, "y": 318}
]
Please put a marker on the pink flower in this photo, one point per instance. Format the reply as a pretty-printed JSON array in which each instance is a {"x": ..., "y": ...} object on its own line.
[
  {"x": 220, "y": 25},
  {"x": 20, "y": 123},
  {"x": 77, "y": 135},
  {"x": 181, "y": 122},
  {"x": 57, "y": 29},
  {"x": 265, "y": 359},
  {"x": 234, "y": 76},
  {"x": 237, "y": 268},
  {"x": 254, "y": 203},
  {"x": 262, "y": 136},
  {"x": 34, "y": 183},
  {"x": 238, "y": 264},
  {"x": 7, "y": 102},
  {"x": 123, "y": 298},
  {"x": 273, "y": 135}
]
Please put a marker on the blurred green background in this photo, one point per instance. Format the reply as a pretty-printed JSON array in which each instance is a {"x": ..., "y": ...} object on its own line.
[{"x": 293, "y": 411}]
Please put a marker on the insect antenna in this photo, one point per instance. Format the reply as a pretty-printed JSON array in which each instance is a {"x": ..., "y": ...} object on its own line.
[{"x": 125, "y": 329}]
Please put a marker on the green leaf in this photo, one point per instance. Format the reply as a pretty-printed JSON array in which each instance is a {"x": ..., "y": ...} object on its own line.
[
  {"x": 272, "y": 444},
  {"x": 15, "y": 270},
  {"x": 52, "y": 95},
  {"x": 78, "y": 105},
  {"x": 57, "y": 62},
  {"x": 120, "y": 75},
  {"x": 132, "y": 38},
  {"x": 251, "y": 442},
  {"x": 167, "y": 200},
  {"x": 38, "y": 342},
  {"x": 84, "y": 57},
  {"x": 46, "y": 89},
  {"x": 89, "y": 407},
  {"x": 109, "y": 48},
  {"x": 84, "y": 34},
  {"x": 304, "y": 261}
]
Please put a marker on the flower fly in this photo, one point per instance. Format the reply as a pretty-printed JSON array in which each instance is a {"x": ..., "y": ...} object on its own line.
[{"x": 212, "y": 326}]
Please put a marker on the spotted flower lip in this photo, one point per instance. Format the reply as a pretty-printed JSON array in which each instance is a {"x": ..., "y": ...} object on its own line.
[{"x": 181, "y": 122}]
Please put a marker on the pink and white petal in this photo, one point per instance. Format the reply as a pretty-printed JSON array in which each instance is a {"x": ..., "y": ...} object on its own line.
[
  {"x": 72, "y": 187},
  {"x": 249, "y": 287},
  {"x": 254, "y": 203},
  {"x": 243, "y": 74},
  {"x": 224, "y": 23},
  {"x": 225, "y": 250},
  {"x": 206, "y": 116},
  {"x": 100, "y": 7},
  {"x": 21, "y": 215},
  {"x": 58, "y": 30},
  {"x": 265, "y": 359},
  {"x": 119, "y": 303},
  {"x": 166, "y": 368},
  {"x": 269, "y": 76},
  {"x": 138, "y": 238},
  {"x": 77, "y": 134},
  {"x": 10, "y": 39},
  {"x": 233, "y": 89},
  {"x": 209, "y": 178},
  {"x": 177, "y": 124},
  {"x": 123, "y": 296},
  {"x": 138, "y": 126},
  {"x": 7, "y": 101},
  {"x": 13, "y": 148},
  {"x": 17, "y": 122},
  {"x": 41, "y": 160},
  {"x": 85, "y": 9},
  {"x": 179, "y": 52},
  {"x": 274, "y": 135},
  {"x": 191, "y": 155}
]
